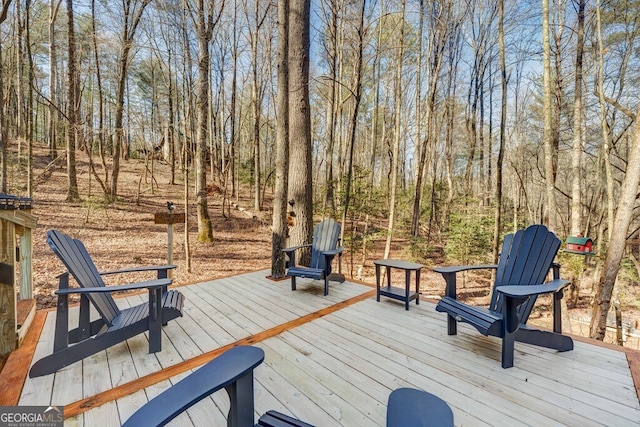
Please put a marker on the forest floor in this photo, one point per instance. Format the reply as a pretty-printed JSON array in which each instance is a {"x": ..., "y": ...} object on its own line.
[{"x": 123, "y": 233}]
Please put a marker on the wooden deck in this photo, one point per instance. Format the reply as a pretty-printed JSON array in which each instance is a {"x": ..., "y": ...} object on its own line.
[{"x": 333, "y": 361}]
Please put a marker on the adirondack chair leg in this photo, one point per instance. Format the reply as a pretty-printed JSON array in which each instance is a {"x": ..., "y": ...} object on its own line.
[
  {"x": 450, "y": 280},
  {"x": 69, "y": 355},
  {"x": 510, "y": 324},
  {"x": 293, "y": 283},
  {"x": 61, "y": 338},
  {"x": 84, "y": 328},
  {"x": 557, "y": 312},
  {"x": 326, "y": 285},
  {"x": 545, "y": 339},
  {"x": 508, "y": 349},
  {"x": 242, "y": 405},
  {"x": 155, "y": 320}
]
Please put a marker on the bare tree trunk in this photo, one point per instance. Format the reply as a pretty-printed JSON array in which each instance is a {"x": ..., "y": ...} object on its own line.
[
  {"x": 576, "y": 158},
  {"x": 89, "y": 148},
  {"x": 29, "y": 113},
  {"x": 204, "y": 30},
  {"x": 420, "y": 145},
  {"x": 374, "y": 142},
  {"x": 332, "y": 53},
  {"x": 73, "y": 108},
  {"x": 606, "y": 133},
  {"x": 617, "y": 242},
  {"x": 131, "y": 15},
  {"x": 279, "y": 232},
  {"x": 547, "y": 136},
  {"x": 19, "y": 85},
  {"x": 3, "y": 121},
  {"x": 354, "y": 119},
  {"x": 454, "y": 56},
  {"x": 171, "y": 122},
  {"x": 256, "y": 98},
  {"x": 497, "y": 195},
  {"x": 396, "y": 139},
  {"x": 300, "y": 183},
  {"x": 257, "y": 172}
]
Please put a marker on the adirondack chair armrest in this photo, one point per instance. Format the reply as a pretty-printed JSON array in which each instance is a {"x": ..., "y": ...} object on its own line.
[
  {"x": 333, "y": 252},
  {"x": 149, "y": 284},
  {"x": 293, "y": 248},
  {"x": 291, "y": 254},
  {"x": 520, "y": 291},
  {"x": 460, "y": 268},
  {"x": 161, "y": 269},
  {"x": 232, "y": 370},
  {"x": 449, "y": 274}
]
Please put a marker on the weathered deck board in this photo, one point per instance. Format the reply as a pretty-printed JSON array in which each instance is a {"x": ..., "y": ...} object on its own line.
[
  {"x": 535, "y": 366},
  {"x": 339, "y": 369}
]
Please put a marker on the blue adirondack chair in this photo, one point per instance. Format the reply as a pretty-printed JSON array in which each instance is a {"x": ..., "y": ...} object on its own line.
[
  {"x": 233, "y": 371},
  {"x": 323, "y": 249},
  {"x": 525, "y": 261},
  {"x": 114, "y": 325}
]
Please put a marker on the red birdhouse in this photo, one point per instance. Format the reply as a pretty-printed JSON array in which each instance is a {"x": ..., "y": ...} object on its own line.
[{"x": 579, "y": 245}]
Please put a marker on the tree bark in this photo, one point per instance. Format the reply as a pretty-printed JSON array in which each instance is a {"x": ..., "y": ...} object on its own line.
[
  {"x": 354, "y": 118},
  {"x": 73, "y": 107},
  {"x": 576, "y": 159},
  {"x": 397, "y": 137},
  {"x": 419, "y": 144},
  {"x": 3, "y": 121},
  {"x": 300, "y": 167},
  {"x": 204, "y": 31},
  {"x": 547, "y": 135},
  {"x": 332, "y": 54},
  {"x": 279, "y": 231},
  {"x": 617, "y": 243},
  {"x": 497, "y": 195}
]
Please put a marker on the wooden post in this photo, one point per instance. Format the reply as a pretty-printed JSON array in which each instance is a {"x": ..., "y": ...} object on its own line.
[
  {"x": 169, "y": 218},
  {"x": 8, "y": 335},
  {"x": 170, "y": 247}
]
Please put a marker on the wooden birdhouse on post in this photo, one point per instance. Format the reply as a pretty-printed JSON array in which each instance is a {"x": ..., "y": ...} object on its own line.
[
  {"x": 579, "y": 245},
  {"x": 17, "y": 306}
]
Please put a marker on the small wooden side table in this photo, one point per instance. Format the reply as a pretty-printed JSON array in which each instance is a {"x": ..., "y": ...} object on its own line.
[{"x": 396, "y": 292}]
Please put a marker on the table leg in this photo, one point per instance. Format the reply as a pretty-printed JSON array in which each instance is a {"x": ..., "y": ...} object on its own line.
[
  {"x": 377, "y": 283},
  {"x": 418, "y": 287},
  {"x": 407, "y": 281},
  {"x": 388, "y": 276}
]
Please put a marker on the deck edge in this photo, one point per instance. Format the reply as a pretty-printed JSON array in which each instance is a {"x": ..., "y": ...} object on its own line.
[
  {"x": 17, "y": 366},
  {"x": 633, "y": 359}
]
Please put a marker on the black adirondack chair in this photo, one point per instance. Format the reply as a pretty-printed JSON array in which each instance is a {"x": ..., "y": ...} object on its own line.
[
  {"x": 233, "y": 371},
  {"x": 323, "y": 249},
  {"x": 114, "y": 325},
  {"x": 526, "y": 259}
]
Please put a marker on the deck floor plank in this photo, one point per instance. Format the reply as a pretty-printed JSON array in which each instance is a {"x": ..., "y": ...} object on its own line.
[
  {"x": 547, "y": 386},
  {"x": 399, "y": 357},
  {"x": 338, "y": 369},
  {"x": 292, "y": 401},
  {"x": 612, "y": 387},
  {"x": 282, "y": 359}
]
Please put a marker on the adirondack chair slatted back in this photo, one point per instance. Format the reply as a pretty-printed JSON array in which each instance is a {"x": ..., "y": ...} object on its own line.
[
  {"x": 525, "y": 259},
  {"x": 325, "y": 238},
  {"x": 77, "y": 260}
]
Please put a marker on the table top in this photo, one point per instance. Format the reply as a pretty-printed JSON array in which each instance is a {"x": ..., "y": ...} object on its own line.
[{"x": 394, "y": 263}]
